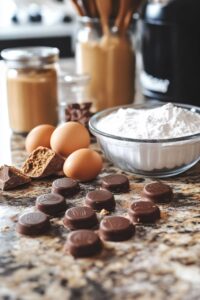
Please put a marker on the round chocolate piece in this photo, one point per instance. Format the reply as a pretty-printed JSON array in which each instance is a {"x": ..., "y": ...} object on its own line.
[
  {"x": 80, "y": 217},
  {"x": 158, "y": 192},
  {"x": 83, "y": 243},
  {"x": 33, "y": 223},
  {"x": 116, "y": 229},
  {"x": 65, "y": 186},
  {"x": 51, "y": 204},
  {"x": 100, "y": 199},
  {"x": 115, "y": 183},
  {"x": 144, "y": 212}
]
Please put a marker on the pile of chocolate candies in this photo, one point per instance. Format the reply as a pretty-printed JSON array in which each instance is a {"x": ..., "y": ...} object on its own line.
[{"x": 87, "y": 235}]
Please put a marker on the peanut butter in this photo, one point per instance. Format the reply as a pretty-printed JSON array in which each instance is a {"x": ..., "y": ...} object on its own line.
[
  {"x": 31, "y": 87},
  {"x": 110, "y": 61},
  {"x": 111, "y": 64},
  {"x": 32, "y": 98}
]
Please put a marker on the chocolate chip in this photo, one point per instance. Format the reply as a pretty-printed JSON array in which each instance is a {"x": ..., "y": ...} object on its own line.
[
  {"x": 81, "y": 217},
  {"x": 65, "y": 186},
  {"x": 83, "y": 243},
  {"x": 76, "y": 115},
  {"x": 100, "y": 199},
  {"x": 115, "y": 183},
  {"x": 79, "y": 112},
  {"x": 73, "y": 106},
  {"x": 86, "y": 105},
  {"x": 158, "y": 192},
  {"x": 144, "y": 212},
  {"x": 51, "y": 204},
  {"x": 33, "y": 223},
  {"x": 116, "y": 228}
]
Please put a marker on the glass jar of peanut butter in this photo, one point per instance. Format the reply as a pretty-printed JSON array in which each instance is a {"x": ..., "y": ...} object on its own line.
[
  {"x": 31, "y": 87},
  {"x": 110, "y": 61}
]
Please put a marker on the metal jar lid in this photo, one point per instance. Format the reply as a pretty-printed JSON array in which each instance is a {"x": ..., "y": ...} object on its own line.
[{"x": 30, "y": 57}]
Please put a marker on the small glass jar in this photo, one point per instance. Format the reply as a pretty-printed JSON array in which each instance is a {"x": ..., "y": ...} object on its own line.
[
  {"x": 72, "y": 88},
  {"x": 31, "y": 87},
  {"x": 110, "y": 61}
]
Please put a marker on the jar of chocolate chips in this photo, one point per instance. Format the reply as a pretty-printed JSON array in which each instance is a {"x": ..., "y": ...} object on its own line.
[{"x": 74, "y": 102}]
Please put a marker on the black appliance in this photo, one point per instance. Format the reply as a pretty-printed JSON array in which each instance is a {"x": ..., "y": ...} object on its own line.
[{"x": 169, "y": 33}]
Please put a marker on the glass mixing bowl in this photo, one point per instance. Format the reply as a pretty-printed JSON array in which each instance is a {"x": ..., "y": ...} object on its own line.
[{"x": 153, "y": 158}]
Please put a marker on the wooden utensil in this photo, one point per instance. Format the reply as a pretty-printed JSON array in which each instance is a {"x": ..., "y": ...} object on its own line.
[
  {"x": 129, "y": 15},
  {"x": 78, "y": 7},
  {"x": 124, "y": 8},
  {"x": 105, "y": 10},
  {"x": 90, "y": 8}
]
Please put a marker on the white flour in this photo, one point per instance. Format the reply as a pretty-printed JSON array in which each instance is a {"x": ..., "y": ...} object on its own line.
[{"x": 167, "y": 121}]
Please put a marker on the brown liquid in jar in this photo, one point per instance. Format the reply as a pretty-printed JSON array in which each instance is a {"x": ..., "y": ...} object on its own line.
[{"x": 32, "y": 98}]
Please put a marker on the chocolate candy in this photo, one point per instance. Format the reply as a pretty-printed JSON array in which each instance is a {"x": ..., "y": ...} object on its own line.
[
  {"x": 42, "y": 162},
  {"x": 115, "y": 183},
  {"x": 81, "y": 217},
  {"x": 83, "y": 243},
  {"x": 100, "y": 199},
  {"x": 158, "y": 192},
  {"x": 65, "y": 186},
  {"x": 11, "y": 177},
  {"x": 116, "y": 228},
  {"x": 33, "y": 223},
  {"x": 51, "y": 204},
  {"x": 144, "y": 212}
]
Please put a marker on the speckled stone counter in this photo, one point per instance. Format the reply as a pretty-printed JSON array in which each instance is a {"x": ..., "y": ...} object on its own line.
[{"x": 161, "y": 262}]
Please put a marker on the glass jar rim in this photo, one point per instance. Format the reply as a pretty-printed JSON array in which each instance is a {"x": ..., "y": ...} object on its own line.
[
  {"x": 96, "y": 22},
  {"x": 74, "y": 78},
  {"x": 26, "y": 57},
  {"x": 86, "y": 19}
]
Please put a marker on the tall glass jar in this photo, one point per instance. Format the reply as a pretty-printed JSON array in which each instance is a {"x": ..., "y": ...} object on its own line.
[
  {"x": 109, "y": 60},
  {"x": 72, "y": 88},
  {"x": 31, "y": 87}
]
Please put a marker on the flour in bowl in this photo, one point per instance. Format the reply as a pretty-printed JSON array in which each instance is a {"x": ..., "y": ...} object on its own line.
[{"x": 167, "y": 121}]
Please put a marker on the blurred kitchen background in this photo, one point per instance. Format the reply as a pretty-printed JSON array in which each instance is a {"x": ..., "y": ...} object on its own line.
[
  {"x": 167, "y": 43},
  {"x": 38, "y": 22}
]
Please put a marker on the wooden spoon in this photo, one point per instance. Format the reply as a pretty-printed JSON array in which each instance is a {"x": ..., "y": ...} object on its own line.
[
  {"x": 129, "y": 15},
  {"x": 105, "y": 10},
  {"x": 90, "y": 8},
  {"x": 78, "y": 8},
  {"x": 124, "y": 8}
]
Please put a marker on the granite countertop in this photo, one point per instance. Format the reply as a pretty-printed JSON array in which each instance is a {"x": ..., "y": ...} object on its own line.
[{"x": 162, "y": 261}]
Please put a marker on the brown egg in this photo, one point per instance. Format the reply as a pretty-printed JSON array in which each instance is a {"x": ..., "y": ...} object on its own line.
[
  {"x": 69, "y": 137},
  {"x": 39, "y": 136},
  {"x": 83, "y": 165}
]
